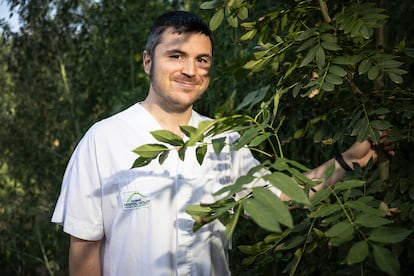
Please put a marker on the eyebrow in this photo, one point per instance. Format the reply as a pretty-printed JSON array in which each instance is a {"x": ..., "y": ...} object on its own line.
[{"x": 177, "y": 51}]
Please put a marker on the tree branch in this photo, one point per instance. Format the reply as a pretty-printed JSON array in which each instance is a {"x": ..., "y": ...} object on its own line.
[{"x": 324, "y": 10}]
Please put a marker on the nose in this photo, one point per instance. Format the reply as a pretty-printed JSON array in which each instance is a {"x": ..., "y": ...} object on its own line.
[{"x": 189, "y": 68}]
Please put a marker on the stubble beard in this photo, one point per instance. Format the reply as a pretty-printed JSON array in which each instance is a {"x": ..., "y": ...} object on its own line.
[{"x": 169, "y": 103}]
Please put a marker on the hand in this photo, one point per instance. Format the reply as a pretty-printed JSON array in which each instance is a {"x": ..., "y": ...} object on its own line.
[{"x": 362, "y": 152}]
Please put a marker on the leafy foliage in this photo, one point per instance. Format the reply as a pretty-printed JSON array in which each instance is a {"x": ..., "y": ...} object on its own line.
[
  {"x": 302, "y": 79},
  {"x": 311, "y": 57}
]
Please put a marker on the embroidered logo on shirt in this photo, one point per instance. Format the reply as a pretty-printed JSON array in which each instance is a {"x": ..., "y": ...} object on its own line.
[{"x": 134, "y": 200}]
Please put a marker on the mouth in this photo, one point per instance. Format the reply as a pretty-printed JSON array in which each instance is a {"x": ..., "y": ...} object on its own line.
[{"x": 188, "y": 84}]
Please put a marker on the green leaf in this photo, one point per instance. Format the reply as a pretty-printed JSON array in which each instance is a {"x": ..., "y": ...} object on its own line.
[
  {"x": 334, "y": 79},
  {"x": 373, "y": 73},
  {"x": 307, "y": 44},
  {"x": 331, "y": 46},
  {"x": 385, "y": 260},
  {"x": 188, "y": 130},
  {"x": 380, "y": 124},
  {"x": 243, "y": 13},
  {"x": 232, "y": 20},
  {"x": 163, "y": 156},
  {"x": 201, "y": 152},
  {"x": 327, "y": 86},
  {"x": 218, "y": 144},
  {"x": 288, "y": 186},
  {"x": 319, "y": 197},
  {"x": 231, "y": 225},
  {"x": 362, "y": 206},
  {"x": 395, "y": 78},
  {"x": 237, "y": 186},
  {"x": 150, "y": 150},
  {"x": 364, "y": 66},
  {"x": 337, "y": 70},
  {"x": 349, "y": 184},
  {"x": 169, "y": 137},
  {"x": 357, "y": 253},
  {"x": 208, "y": 5},
  {"x": 248, "y": 35},
  {"x": 291, "y": 243},
  {"x": 246, "y": 137},
  {"x": 275, "y": 205},
  {"x": 320, "y": 57},
  {"x": 389, "y": 64},
  {"x": 329, "y": 38},
  {"x": 341, "y": 229},
  {"x": 141, "y": 162},
  {"x": 198, "y": 210},
  {"x": 370, "y": 221},
  {"x": 261, "y": 214},
  {"x": 258, "y": 140},
  {"x": 254, "y": 97},
  {"x": 389, "y": 234},
  {"x": 309, "y": 56},
  {"x": 325, "y": 211},
  {"x": 216, "y": 19},
  {"x": 343, "y": 60},
  {"x": 306, "y": 34}
]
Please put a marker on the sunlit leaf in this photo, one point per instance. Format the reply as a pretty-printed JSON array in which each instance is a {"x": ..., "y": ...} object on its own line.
[
  {"x": 216, "y": 19},
  {"x": 248, "y": 35},
  {"x": 168, "y": 137},
  {"x": 261, "y": 214},
  {"x": 275, "y": 205},
  {"x": 188, "y": 130},
  {"x": 243, "y": 13},
  {"x": 150, "y": 150},
  {"x": 288, "y": 186},
  {"x": 208, "y": 5}
]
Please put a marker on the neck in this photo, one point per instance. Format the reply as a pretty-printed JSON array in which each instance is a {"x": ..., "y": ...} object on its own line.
[{"x": 168, "y": 120}]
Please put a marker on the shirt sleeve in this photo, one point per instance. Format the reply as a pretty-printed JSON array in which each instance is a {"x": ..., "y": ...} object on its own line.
[{"x": 78, "y": 208}]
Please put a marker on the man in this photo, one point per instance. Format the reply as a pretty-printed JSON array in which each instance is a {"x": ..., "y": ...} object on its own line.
[{"x": 126, "y": 221}]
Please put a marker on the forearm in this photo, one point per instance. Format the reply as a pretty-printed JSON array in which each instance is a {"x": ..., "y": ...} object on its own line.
[
  {"x": 318, "y": 174},
  {"x": 84, "y": 257}
]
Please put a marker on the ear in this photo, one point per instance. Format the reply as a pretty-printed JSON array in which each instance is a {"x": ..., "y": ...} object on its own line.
[{"x": 146, "y": 61}]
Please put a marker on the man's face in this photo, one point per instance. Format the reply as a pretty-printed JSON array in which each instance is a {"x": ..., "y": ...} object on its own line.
[{"x": 179, "y": 69}]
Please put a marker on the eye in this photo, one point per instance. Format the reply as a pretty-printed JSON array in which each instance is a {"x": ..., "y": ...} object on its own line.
[
  {"x": 203, "y": 60},
  {"x": 175, "y": 56}
]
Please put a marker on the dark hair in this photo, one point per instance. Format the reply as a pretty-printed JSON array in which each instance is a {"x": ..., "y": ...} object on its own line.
[{"x": 182, "y": 22}]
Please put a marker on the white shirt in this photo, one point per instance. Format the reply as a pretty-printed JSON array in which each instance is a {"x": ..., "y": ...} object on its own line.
[{"x": 140, "y": 213}]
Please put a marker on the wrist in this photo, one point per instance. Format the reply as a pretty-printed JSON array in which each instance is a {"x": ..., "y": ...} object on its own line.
[{"x": 339, "y": 159}]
